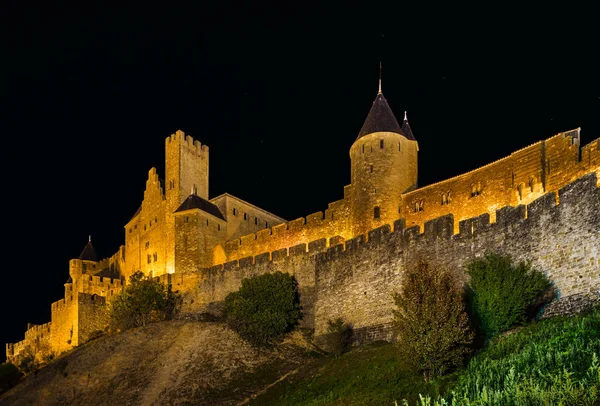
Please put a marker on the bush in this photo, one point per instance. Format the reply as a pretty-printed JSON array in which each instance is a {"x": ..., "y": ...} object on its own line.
[
  {"x": 434, "y": 330},
  {"x": 143, "y": 300},
  {"x": 339, "y": 336},
  {"x": 264, "y": 309},
  {"x": 502, "y": 295}
]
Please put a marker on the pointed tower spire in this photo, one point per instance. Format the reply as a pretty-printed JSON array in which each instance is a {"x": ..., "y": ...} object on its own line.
[
  {"x": 406, "y": 128},
  {"x": 89, "y": 253},
  {"x": 90, "y": 238},
  {"x": 379, "y": 92}
]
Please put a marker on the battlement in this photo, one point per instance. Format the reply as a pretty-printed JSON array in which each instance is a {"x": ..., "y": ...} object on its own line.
[
  {"x": 506, "y": 218},
  {"x": 187, "y": 141},
  {"x": 38, "y": 330}
]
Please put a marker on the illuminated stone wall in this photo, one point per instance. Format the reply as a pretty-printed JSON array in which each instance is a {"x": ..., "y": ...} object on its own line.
[
  {"x": 455, "y": 216},
  {"x": 562, "y": 240}
]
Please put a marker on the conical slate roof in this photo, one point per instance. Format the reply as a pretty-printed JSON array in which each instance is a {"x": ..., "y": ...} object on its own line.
[
  {"x": 380, "y": 118},
  {"x": 406, "y": 131},
  {"x": 196, "y": 202},
  {"x": 88, "y": 253}
]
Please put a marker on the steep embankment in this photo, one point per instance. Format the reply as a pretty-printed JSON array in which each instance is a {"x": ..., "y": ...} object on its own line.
[{"x": 178, "y": 362}]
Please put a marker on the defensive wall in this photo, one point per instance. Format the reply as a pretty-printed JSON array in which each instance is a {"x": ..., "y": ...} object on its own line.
[
  {"x": 73, "y": 318},
  {"x": 355, "y": 279},
  {"x": 517, "y": 179}
]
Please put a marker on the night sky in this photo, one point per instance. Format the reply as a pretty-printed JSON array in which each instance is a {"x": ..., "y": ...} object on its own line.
[{"x": 88, "y": 96}]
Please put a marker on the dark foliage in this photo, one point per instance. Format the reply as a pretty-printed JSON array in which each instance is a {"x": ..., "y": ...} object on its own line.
[
  {"x": 435, "y": 335},
  {"x": 502, "y": 295},
  {"x": 264, "y": 309},
  {"x": 144, "y": 300}
]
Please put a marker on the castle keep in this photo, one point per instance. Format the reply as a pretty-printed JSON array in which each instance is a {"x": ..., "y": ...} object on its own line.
[{"x": 541, "y": 203}]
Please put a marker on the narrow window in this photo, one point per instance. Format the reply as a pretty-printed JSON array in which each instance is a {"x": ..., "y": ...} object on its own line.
[
  {"x": 363, "y": 148},
  {"x": 520, "y": 190},
  {"x": 421, "y": 205},
  {"x": 531, "y": 184},
  {"x": 144, "y": 227},
  {"x": 371, "y": 168},
  {"x": 443, "y": 199},
  {"x": 266, "y": 225},
  {"x": 398, "y": 146},
  {"x": 186, "y": 219},
  {"x": 448, "y": 198},
  {"x": 245, "y": 216},
  {"x": 234, "y": 212},
  {"x": 218, "y": 227},
  {"x": 156, "y": 219},
  {"x": 155, "y": 257},
  {"x": 381, "y": 144},
  {"x": 376, "y": 212},
  {"x": 206, "y": 222},
  {"x": 256, "y": 220},
  {"x": 149, "y": 258}
]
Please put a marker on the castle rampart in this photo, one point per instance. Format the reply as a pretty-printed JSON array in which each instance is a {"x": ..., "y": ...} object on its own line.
[
  {"x": 541, "y": 203},
  {"x": 561, "y": 240}
]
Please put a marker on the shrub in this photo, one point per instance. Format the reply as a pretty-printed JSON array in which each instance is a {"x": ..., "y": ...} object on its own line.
[
  {"x": 264, "y": 308},
  {"x": 339, "y": 336},
  {"x": 434, "y": 330},
  {"x": 143, "y": 300},
  {"x": 502, "y": 295}
]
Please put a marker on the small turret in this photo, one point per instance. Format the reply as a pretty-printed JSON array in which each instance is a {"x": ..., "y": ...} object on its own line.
[{"x": 86, "y": 262}]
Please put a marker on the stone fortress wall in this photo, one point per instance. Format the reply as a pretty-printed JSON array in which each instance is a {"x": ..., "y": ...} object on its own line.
[{"x": 539, "y": 203}]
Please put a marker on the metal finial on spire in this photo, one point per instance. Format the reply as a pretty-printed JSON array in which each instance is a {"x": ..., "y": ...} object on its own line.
[
  {"x": 90, "y": 238},
  {"x": 379, "y": 92},
  {"x": 405, "y": 119}
]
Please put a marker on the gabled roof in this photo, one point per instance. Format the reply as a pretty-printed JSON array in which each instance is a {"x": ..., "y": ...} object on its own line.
[
  {"x": 196, "y": 202},
  {"x": 380, "y": 118},
  {"x": 88, "y": 253}
]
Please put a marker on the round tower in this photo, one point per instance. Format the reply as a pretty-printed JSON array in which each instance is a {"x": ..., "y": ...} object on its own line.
[{"x": 383, "y": 166}]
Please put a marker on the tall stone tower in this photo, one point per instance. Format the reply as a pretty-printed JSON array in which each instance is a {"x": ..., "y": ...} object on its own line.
[
  {"x": 383, "y": 166},
  {"x": 186, "y": 172}
]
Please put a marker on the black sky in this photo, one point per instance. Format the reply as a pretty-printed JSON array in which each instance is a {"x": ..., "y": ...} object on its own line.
[{"x": 279, "y": 93}]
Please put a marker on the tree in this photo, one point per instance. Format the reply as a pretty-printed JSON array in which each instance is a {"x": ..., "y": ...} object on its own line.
[
  {"x": 502, "y": 295},
  {"x": 264, "y": 308},
  {"x": 435, "y": 335},
  {"x": 144, "y": 300}
]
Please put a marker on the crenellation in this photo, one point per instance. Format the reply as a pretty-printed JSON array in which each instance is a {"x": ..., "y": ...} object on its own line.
[
  {"x": 296, "y": 224},
  {"x": 313, "y": 218},
  {"x": 246, "y": 261},
  {"x": 319, "y": 245},
  {"x": 509, "y": 214},
  {"x": 279, "y": 255},
  {"x": 540, "y": 203},
  {"x": 441, "y": 227},
  {"x": 299, "y": 249}
]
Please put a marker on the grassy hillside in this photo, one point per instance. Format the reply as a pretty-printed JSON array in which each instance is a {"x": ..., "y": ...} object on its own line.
[
  {"x": 545, "y": 363},
  {"x": 552, "y": 362},
  {"x": 167, "y": 363}
]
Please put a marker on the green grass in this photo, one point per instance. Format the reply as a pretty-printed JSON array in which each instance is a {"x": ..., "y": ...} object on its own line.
[
  {"x": 369, "y": 375},
  {"x": 551, "y": 362}
]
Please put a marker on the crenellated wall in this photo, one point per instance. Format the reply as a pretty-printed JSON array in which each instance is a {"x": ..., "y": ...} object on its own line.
[
  {"x": 355, "y": 279},
  {"x": 541, "y": 203},
  {"x": 562, "y": 240}
]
